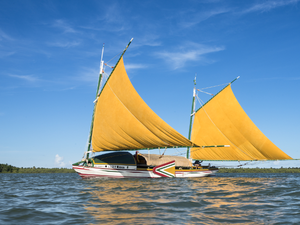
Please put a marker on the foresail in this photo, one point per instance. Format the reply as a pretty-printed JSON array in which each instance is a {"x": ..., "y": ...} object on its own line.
[
  {"x": 223, "y": 121},
  {"x": 123, "y": 121}
]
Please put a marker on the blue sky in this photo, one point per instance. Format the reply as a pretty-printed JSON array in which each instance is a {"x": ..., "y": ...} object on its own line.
[{"x": 50, "y": 53}]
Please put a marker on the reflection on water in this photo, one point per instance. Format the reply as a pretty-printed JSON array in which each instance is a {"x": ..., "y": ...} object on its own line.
[
  {"x": 223, "y": 199},
  {"x": 210, "y": 200}
]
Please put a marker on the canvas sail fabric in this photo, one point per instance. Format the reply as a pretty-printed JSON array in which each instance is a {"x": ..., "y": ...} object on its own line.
[
  {"x": 223, "y": 121},
  {"x": 123, "y": 121}
]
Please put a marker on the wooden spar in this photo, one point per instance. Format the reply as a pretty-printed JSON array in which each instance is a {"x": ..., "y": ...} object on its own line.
[
  {"x": 217, "y": 93},
  {"x": 98, "y": 94},
  {"x": 116, "y": 64},
  {"x": 193, "y": 114},
  {"x": 191, "y": 119},
  {"x": 98, "y": 87},
  {"x": 101, "y": 71}
]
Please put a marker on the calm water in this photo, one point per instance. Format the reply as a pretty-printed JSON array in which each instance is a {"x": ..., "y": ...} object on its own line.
[{"x": 223, "y": 199}]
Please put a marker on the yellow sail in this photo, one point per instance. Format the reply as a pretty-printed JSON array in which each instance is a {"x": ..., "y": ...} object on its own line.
[
  {"x": 223, "y": 121},
  {"x": 123, "y": 121}
]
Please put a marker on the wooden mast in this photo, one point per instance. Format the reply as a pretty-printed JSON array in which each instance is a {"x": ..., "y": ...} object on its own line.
[
  {"x": 98, "y": 94},
  {"x": 191, "y": 118}
]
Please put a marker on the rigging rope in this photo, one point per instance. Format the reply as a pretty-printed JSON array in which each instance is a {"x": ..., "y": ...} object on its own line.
[
  {"x": 204, "y": 92},
  {"x": 214, "y": 86},
  {"x": 115, "y": 56},
  {"x": 221, "y": 131}
]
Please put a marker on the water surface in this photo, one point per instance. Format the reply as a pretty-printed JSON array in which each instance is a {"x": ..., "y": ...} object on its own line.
[{"x": 223, "y": 199}]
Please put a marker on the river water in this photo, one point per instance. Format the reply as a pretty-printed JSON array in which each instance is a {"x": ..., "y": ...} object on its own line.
[{"x": 222, "y": 199}]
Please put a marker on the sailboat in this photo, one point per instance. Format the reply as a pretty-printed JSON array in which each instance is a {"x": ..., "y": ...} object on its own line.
[{"x": 123, "y": 122}]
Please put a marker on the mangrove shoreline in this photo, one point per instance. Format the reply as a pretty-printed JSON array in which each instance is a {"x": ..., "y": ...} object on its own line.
[
  {"x": 5, "y": 168},
  {"x": 259, "y": 170}
]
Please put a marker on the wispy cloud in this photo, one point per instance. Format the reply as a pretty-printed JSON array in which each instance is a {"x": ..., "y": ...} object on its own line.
[
  {"x": 192, "y": 19},
  {"x": 112, "y": 20},
  {"x": 275, "y": 78},
  {"x": 5, "y": 50},
  {"x": 91, "y": 75},
  {"x": 116, "y": 11},
  {"x": 68, "y": 39},
  {"x": 135, "y": 66},
  {"x": 4, "y": 36},
  {"x": 88, "y": 75},
  {"x": 187, "y": 53},
  {"x": 147, "y": 40},
  {"x": 268, "y": 5},
  {"x": 6, "y": 54},
  {"x": 28, "y": 78},
  {"x": 64, "y": 44},
  {"x": 63, "y": 25},
  {"x": 59, "y": 161}
]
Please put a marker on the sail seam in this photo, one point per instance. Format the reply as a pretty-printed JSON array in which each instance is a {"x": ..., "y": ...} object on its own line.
[
  {"x": 135, "y": 116},
  {"x": 221, "y": 131}
]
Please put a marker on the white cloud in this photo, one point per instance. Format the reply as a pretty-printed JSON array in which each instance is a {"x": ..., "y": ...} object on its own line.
[
  {"x": 61, "y": 24},
  {"x": 134, "y": 66},
  {"x": 67, "y": 44},
  {"x": 147, "y": 40},
  {"x": 268, "y": 5},
  {"x": 116, "y": 11},
  {"x": 187, "y": 53},
  {"x": 64, "y": 42},
  {"x": 29, "y": 78},
  {"x": 59, "y": 161},
  {"x": 88, "y": 75},
  {"x": 192, "y": 19},
  {"x": 4, "y": 36},
  {"x": 6, "y": 54},
  {"x": 112, "y": 19}
]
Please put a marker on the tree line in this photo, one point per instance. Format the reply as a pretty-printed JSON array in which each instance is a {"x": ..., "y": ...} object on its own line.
[
  {"x": 260, "y": 170},
  {"x": 5, "y": 168}
]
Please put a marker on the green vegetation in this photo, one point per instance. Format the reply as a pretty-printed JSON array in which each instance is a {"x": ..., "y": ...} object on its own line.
[
  {"x": 4, "y": 168},
  {"x": 259, "y": 170}
]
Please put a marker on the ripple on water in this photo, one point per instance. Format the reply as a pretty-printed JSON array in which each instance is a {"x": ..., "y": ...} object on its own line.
[{"x": 225, "y": 198}]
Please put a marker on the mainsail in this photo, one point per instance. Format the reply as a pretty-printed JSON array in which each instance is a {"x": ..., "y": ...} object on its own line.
[
  {"x": 123, "y": 121},
  {"x": 222, "y": 120}
]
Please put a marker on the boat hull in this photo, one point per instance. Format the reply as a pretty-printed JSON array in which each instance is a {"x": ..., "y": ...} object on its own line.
[{"x": 92, "y": 172}]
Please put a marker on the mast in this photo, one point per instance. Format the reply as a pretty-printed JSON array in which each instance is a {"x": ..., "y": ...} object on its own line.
[
  {"x": 191, "y": 119},
  {"x": 193, "y": 114},
  {"x": 217, "y": 93},
  {"x": 98, "y": 94}
]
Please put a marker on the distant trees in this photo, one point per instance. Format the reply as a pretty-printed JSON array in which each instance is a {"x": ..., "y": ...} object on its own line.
[
  {"x": 5, "y": 168},
  {"x": 260, "y": 170}
]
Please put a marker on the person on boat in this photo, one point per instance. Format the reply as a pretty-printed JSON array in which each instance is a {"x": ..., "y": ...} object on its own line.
[
  {"x": 197, "y": 163},
  {"x": 136, "y": 156}
]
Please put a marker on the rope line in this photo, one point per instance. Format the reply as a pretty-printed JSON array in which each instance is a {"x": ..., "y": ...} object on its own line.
[
  {"x": 115, "y": 56},
  {"x": 221, "y": 131},
  {"x": 214, "y": 86}
]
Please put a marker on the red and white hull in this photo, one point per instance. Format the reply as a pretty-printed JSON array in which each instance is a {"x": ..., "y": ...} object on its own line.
[{"x": 91, "y": 172}]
